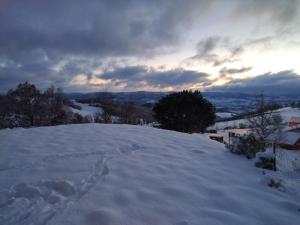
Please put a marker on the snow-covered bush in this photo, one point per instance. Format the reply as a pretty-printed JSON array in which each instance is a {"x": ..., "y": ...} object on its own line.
[
  {"x": 14, "y": 120},
  {"x": 265, "y": 160},
  {"x": 248, "y": 145}
]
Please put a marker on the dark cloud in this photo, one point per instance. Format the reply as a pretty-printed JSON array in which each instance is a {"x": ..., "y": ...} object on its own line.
[
  {"x": 219, "y": 50},
  {"x": 37, "y": 37},
  {"x": 52, "y": 41},
  {"x": 284, "y": 82},
  {"x": 260, "y": 41},
  {"x": 216, "y": 50},
  {"x": 226, "y": 70},
  {"x": 206, "y": 46},
  {"x": 32, "y": 66},
  {"x": 278, "y": 12},
  {"x": 35, "y": 66},
  {"x": 135, "y": 76},
  {"x": 101, "y": 27}
]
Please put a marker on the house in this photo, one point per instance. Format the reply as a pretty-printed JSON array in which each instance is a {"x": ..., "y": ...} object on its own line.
[
  {"x": 216, "y": 137},
  {"x": 294, "y": 122},
  {"x": 290, "y": 140}
]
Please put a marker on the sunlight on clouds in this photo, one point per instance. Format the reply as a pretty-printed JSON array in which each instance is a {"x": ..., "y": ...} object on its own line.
[
  {"x": 169, "y": 88},
  {"x": 198, "y": 86},
  {"x": 78, "y": 80},
  {"x": 275, "y": 61},
  {"x": 221, "y": 81},
  {"x": 98, "y": 81}
]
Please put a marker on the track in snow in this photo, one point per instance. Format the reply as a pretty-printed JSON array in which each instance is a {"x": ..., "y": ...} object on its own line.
[{"x": 38, "y": 203}]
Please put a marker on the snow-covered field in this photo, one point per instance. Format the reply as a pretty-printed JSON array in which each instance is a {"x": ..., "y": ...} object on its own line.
[
  {"x": 224, "y": 115},
  {"x": 101, "y": 174},
  {"x": 86, "y": 110},
  {"x": 286, "y": 114}
]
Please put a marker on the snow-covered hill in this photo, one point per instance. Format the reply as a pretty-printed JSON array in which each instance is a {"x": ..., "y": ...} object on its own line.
[
  {"x": 224, "y": 115},
  {"x": 120, "y": 174},
  {"x": 286, "y": 113}
]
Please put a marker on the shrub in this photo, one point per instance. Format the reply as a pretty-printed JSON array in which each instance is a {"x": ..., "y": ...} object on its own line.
[{"x": 249, "y": 146}]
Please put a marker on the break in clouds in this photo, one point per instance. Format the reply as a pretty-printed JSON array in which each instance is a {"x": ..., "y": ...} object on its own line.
[{"x": 128, "y": 45}]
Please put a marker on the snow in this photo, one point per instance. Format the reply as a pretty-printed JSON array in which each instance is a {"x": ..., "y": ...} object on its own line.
[
  {"x": 290, "y": 137},
  {"x": 295, "y": 119},
  {"x": 288, "y": 160},
  {"x": 228, "y": 124},
  {"x": 238, "y": 132},
  {"x": 267, "y": 154},
  {"x": 286, "y": 113},
  {"x": 86, "y": 109},
  {"x": 224, "y": 114},
  {"x": 120, "y": 174}
]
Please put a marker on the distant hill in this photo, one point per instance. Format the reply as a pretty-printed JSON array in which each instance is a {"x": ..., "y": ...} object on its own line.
[{"x": 224, "y": 101}]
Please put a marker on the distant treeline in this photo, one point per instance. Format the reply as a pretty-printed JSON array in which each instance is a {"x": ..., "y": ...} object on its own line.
[
  {"x": 26, "y": 106},
  {"x": 115, "y": 111}
]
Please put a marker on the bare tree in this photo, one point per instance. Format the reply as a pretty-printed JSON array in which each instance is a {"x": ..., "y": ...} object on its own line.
[
  {"x": 264, "y": 122},
  {"x": 106, "y": 101},
  {"x": 106, "y": 115},
  {"x": 128, "y": 113}
]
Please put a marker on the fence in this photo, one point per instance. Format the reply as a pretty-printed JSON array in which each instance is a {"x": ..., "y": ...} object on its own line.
[{"x": 287, "y": 160}]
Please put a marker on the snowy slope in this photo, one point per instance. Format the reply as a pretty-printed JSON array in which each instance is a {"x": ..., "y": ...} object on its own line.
[
  {"x": 119, "y": 174},
  {"x": 224, "y": 115},
  {"x": 286, "y": 113},
  {"x": 86, "y": 110}
]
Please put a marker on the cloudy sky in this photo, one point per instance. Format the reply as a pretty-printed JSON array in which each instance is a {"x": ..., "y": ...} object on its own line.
[{"x": 157, "y": 45}]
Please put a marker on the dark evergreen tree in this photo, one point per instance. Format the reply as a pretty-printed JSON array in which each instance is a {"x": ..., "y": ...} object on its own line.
[{"x": 185, "y": 111}]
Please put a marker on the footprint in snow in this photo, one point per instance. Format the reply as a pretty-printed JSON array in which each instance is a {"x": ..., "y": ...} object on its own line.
[{"x": 102, "y": 216}]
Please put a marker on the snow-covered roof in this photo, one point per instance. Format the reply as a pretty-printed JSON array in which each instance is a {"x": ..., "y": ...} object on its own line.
[
  {"x": 215, "y": 135},
  {"x": 295, "y": 119},
  {"x": 241, "y": 131},
  {"x": 224, "y": 114},
  {"x": 291, "y": 137}
]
